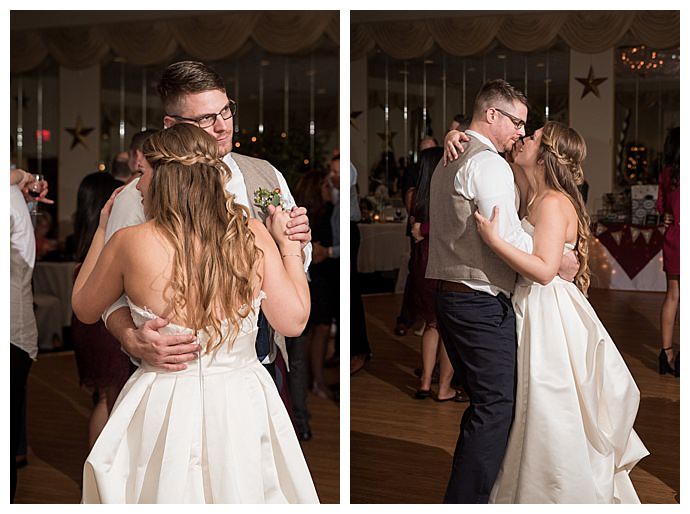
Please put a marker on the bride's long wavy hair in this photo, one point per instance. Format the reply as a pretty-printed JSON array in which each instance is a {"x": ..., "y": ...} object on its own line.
[
  {"x": 215, "y": 255},
  {"x": 563, "y": 149}
]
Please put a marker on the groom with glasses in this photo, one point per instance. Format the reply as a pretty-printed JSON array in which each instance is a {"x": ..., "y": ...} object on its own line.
[
  {"x": 475, "y": 315},
  {"x": 192, "y": 92}
]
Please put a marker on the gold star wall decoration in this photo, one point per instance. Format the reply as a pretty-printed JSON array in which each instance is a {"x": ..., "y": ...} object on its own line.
[
  {"x": 391, "y": 136},
  {"x": 79, "y": 133},
  {"x": 591, "y": 83},
  {"x": 353, "y": 116}
]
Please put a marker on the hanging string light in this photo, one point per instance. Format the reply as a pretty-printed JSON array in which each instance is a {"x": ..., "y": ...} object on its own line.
[
  {"x": 122, "y": 106},
  {"x": 262, "y": 64},
  {"x": 236, "y": 117},
  {"x": 144, "y": 123},
  {"x": 405, "y": 120},
  {"x": 386, "y": 120},
  {"x": 312, "y": 108},
  {"x": 39, "y": 123},
  {"x": 443, "y": 81},
  {"x": 547, "y": 82},
  {"x": 526, "y": 73},
  {"x": 20, "y": 121},
  {"x": 286, "y": 99},
  {"x": 424, "y": 111},
  {"x": 503, "y": 57},
  {"x": 637, "y": 104},
  {"x": 464, "y": 87}
]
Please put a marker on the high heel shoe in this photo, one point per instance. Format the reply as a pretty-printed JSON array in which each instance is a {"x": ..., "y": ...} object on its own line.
[
  {"x": 664, "y": 365},
  {"x": 676, "y": 365}
]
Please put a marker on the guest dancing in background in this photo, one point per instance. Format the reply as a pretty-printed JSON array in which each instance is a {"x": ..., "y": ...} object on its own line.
[
  {"x": 424, "y": 290},
  {"x": 314, "y": 193},
  {"x": 103, "y": 367},
  {"x": 410, "y": 178},
  {"x": 360, "y": 350},
  {"x": 668, "y": 204}
]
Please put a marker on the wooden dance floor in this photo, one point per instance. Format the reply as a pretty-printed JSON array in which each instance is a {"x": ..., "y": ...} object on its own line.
[
  {"x": 57, "y": 424},
  {"x": 401, "y": 448}
]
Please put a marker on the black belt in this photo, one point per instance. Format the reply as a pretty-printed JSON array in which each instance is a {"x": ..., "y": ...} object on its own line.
[{"x": 454, "y": 287}]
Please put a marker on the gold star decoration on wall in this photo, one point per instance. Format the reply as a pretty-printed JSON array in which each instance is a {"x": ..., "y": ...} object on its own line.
[
  {"x": 79, "y": 133},
  {"x": 391, "y": 136},
  {"x": 591, "y": 83},
  {"x": 353, "y": 116}
]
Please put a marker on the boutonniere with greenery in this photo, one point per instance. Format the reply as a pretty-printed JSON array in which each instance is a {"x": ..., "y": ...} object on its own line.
[{"x": 263, "y": 198}]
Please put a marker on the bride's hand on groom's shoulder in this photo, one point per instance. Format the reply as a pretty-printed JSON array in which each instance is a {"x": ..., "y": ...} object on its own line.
[
  {"x": 108, "y": 207},
  {"x": 452, "y": 144}
]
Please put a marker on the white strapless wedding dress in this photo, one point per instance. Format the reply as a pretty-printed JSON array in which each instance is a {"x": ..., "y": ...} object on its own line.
[
  {"x": 572, "y": 438},
  {"x": 216, "y": 432}
]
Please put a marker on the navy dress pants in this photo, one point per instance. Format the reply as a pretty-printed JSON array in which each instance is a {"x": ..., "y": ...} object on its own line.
[{"x": 478, "y": 331}]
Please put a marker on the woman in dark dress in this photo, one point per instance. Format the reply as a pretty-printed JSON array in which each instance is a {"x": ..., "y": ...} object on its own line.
[
  {"x": 668, "y": 205},
  {"x": 314, "y": 193},
  {"x": 103, "y": 367},
  {"x": 424, "y": 290}
]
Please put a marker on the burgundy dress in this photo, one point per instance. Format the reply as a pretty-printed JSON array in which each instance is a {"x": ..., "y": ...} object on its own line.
[
  {"x": 423, "y": 297},
  {"x": 100, "y": 361},
  {"x": 668, "y": 202}
]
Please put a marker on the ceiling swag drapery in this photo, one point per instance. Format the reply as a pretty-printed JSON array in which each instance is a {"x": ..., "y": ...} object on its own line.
[
  {"x": 204, "y": 37},
  {"x": 587, "y": 32}
]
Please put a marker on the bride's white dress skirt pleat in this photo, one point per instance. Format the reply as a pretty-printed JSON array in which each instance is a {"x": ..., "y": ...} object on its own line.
[
  {"x": 216, "y": 432},
  {"x": 572, "y": 439}
]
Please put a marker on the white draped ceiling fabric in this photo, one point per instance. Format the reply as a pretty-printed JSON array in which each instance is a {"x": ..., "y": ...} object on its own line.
[
  {"x": 587, "y": 32},
  {"x": 207, "y": 38}
]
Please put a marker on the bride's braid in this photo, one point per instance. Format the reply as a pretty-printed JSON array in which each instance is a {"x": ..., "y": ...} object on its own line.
[
  {"x": 215, "y": 256},
  {"x": 563, "y": 149}
]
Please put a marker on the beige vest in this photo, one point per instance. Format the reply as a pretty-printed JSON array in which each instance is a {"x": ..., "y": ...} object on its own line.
[
  {"x": 456, "y": 251},
  {"x": 259, "y": 173},
  {"x": 256, "y": 173}
]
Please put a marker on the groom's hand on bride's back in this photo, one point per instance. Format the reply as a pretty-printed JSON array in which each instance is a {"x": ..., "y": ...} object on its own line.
[
  {"x": 169, "y": 352},
  {"x": 570, "y": 264}
]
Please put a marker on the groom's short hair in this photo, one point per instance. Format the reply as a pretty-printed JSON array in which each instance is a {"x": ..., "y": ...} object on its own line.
[
  {"x": 187, "y": 77},
  {"x": 497, "y": 91}
]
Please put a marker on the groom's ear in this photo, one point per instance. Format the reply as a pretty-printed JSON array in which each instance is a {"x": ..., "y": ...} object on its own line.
[{"x": 168, "y": 121}]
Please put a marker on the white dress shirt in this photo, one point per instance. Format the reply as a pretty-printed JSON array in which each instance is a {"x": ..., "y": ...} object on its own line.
[
  {"x": 127, "y": 210},
  {"x": 486, "y": 179},
  {"x": 23, "y": 331}
]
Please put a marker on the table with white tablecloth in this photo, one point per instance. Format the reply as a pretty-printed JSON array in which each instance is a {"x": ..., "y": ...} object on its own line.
[
  {"x": 53, "y": 298},
  {"x": 383, "y": 247}
]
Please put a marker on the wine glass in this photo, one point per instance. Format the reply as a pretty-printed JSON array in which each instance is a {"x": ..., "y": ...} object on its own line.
[
  {"x": 34, "y": 190},
  {"x": 398, "y": 214}
]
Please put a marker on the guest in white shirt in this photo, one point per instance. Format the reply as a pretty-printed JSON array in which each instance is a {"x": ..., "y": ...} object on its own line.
[{"x": 23, "y": 331}]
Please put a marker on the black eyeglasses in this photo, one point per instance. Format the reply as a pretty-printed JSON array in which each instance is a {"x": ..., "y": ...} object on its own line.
[
  {"x": 516, "y": 121},
  {"x": 207, "y": 120},
  {"x": 526, "y": 136}
]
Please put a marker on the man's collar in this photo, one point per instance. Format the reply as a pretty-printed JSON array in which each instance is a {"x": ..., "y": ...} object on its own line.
[{"x": 481, "y": 138}]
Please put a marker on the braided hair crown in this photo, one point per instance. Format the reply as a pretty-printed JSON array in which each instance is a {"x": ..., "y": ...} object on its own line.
[
  {"x": 572, "y": 162},
  {"x": 207, "y": 154}
]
